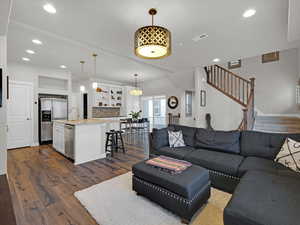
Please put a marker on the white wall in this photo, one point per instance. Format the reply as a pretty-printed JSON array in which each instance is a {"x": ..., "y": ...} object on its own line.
[
  {"x": 225, "y": 113},
  {"x": 298, "y": 65},
  {"x": 130, "y": 103},
  {"x": 173, "y": 85},
  {"x": 275, "y": 82},
  {"x": 3, "y": 120},
  {"x": 28, "y": 73}
]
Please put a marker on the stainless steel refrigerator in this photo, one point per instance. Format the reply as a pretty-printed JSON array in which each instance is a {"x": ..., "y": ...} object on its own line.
[{"x": 51, "y": 109}]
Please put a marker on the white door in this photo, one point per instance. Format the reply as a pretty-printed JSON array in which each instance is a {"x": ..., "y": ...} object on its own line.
[
  {"x": 19, "y": 115},
  {"x": 154, "y": 108}
]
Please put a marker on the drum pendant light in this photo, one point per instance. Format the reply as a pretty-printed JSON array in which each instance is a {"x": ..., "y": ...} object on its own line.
[{"x": 152, "y": 42}]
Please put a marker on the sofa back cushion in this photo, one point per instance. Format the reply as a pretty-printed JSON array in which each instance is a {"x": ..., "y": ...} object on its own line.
[
  {"x": 224, "y": 141},
  {"x": 265, "y": 145},
  {"x": 187, "y": 132},
  {"x": 160, "y": 138}
]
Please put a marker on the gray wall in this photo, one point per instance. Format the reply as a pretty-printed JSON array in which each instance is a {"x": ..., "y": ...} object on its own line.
[
  {"x": 3, "y": 120},
  {"x": 275, "y": 82}
]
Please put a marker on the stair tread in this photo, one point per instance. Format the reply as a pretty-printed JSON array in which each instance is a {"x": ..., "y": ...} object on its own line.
[{"x": 277, "y": 124}]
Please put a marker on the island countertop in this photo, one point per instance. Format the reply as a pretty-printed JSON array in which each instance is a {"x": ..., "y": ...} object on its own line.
[{"x": 85, "y": 121}]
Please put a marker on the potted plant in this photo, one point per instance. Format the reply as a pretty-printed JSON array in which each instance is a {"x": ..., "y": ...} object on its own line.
[{"x": 135, "y": 115}]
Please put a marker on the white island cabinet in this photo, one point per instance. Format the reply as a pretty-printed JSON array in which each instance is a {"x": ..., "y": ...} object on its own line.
[
  {"x": 86, "y": 140},
  {"x": 59, "y": 137}
]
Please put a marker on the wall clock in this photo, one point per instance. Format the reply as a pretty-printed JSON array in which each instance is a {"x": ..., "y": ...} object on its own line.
[{"x": 172, "y": 102}]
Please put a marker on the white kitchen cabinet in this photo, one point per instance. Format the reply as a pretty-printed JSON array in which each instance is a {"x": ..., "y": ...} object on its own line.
[
  {"x": 59, "y": 137},
  {"x": 88, "y": 139}
]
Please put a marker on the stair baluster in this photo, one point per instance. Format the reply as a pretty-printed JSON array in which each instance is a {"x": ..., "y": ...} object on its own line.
[{"x": 235, "y": 87}]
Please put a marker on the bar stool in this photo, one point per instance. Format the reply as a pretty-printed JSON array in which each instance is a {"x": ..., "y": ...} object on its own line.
[
  {"x": 110, "y": 144},
  {"x": 119, "y": 141}
]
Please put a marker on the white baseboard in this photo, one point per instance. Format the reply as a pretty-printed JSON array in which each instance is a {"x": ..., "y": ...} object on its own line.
[{"x": 35, "y": 144}]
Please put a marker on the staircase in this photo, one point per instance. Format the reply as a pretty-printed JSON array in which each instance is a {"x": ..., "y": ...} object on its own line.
[
  {"x": 235, "y": 87},
  {"x": 277, "y": 124}
]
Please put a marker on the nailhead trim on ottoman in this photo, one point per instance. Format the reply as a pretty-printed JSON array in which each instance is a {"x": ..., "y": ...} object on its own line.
[{"x": 179, "y": 205}]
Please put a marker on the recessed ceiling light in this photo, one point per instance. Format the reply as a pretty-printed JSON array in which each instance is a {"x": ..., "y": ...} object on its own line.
[
  {"x": 31, "y": 52},
  {"x": 248, "y": 13},
  {"x": 63, "y": 67},
  {"x": 49, "y": 8},
  {"x": 25, "y": 59},
  {"x": 37, "y": 42},
  {"x": 216, "y": 60},
  {"x": 82, "y": 88}
]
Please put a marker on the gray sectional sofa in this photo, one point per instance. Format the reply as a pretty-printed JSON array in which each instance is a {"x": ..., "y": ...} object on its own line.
[{"x": 264, "y": 191}]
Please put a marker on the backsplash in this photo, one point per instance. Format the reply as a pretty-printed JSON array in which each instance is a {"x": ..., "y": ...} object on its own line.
[{"x": 98, "y": 112}]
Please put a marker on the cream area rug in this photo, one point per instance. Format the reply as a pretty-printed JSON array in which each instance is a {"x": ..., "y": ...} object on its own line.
[{"x": 113, "y": 202}]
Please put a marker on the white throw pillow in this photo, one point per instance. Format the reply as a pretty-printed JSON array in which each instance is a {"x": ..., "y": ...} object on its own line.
[
  {"x": 176, "y": 139},
  {"x": 289, "y": 154}
]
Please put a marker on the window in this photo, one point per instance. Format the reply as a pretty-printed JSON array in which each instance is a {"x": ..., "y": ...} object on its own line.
[
  {"x": 157, "y": 107},
  {"x": 188, "y": 103}
]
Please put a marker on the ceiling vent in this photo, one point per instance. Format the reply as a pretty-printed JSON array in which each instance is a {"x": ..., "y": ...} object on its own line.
[{"x": 199, "y": 37}]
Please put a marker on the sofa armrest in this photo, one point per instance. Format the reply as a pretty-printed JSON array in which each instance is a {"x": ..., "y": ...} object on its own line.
[
  {"x": 152, "y": 150},
  {"x": 157, "y": 139}
]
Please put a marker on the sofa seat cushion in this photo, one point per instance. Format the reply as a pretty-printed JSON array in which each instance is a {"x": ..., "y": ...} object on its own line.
[
  {"x": 223, "y": 141},
  {"x": 264, "y": 199},
  {"x": 178, "y": 152},
  {"x": 185, "y": 184},
  {"x": 217, "y": 161},
  {"x": 261, "y": 164}
]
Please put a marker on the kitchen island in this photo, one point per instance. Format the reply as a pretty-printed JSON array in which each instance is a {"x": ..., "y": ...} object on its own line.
[{"x": 82, "y": 140}]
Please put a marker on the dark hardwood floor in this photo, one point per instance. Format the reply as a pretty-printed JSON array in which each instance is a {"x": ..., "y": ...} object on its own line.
[
  {"x": 6, "y": 208},
  {"x": 42, "y": 183}
]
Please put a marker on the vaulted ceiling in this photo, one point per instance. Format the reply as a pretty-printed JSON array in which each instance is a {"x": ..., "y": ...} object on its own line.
[
  {"x": 106, "y": 27},
  {"x": 5, "y": 7}
]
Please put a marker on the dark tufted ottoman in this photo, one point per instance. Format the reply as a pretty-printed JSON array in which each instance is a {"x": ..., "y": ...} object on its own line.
[{"x": 182, "y": 194}]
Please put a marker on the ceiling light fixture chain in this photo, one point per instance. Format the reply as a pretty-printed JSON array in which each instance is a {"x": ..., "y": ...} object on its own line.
[
  {"x": 136, "y": 91},
  {"x": 152, "y": 12},
  {"x": 135, "y": 80},
  {"x": 95, "y": 84},
  {"x": 82, "y": 87},
  {"x": 95, "y": 63},
  {"x": 82, "y": 66}
]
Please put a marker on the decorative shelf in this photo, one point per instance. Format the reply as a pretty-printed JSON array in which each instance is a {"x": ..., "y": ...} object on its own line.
[{"x": 111, "y": 96}]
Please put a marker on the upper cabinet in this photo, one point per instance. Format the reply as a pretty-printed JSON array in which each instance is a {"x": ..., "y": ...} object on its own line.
[{"x": 53, "y": 83}]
